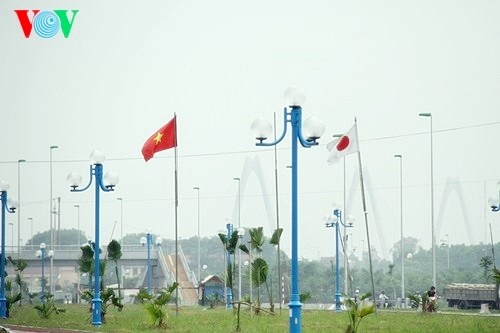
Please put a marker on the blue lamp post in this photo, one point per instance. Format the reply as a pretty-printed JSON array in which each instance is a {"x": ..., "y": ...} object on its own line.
[
  {"x": 9, "y": 205},
  {"x": 105, "y": 183},
  {"x": 333, "y": 222},
  {"x": 42, "y": 255},
  {"x": 147, "y": 241},
  {"x": 307, "y": 136},
  {"x": 229, "y": 292}
]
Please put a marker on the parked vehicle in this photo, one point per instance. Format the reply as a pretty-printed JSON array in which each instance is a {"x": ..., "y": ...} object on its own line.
[{"x": 465, "y": 296}]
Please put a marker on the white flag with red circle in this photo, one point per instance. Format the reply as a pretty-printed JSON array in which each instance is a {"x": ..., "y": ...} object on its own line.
[{"x": 345, "y": 145}]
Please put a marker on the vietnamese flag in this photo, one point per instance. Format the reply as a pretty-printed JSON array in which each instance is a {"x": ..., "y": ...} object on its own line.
[{"x": 164, "y": 138}]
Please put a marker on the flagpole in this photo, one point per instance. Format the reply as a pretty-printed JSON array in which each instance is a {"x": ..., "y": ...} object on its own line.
[
  {"x": 365, "y": 214},
  {"x": 176, "y": 238},
  {"x": 344, "y": 243}
]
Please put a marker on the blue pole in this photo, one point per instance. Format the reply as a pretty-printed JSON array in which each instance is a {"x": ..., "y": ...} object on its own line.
[
  {"x": 74, "y": 181},
  {"x": 338, "y": 214},
  {"x": 148, "y": 236},
  {"x": 96, "y": 301},
  {"x": 3, "y": 300},
  {"x": 229, "y": 292},
  {"x": 295, "y": 305},
  {"x": 294, "y": 117}
]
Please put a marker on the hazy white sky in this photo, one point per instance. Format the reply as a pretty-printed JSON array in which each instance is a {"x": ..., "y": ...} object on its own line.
[{"x": 128, "y": 66}]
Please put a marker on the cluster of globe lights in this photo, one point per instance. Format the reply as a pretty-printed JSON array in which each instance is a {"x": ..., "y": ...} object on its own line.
[
  {"x": 313, "y": 128},
  {"x": 97, "y": 158},
  {"x": 307, "y": 135},
  {"x": 12, "y": 203}
]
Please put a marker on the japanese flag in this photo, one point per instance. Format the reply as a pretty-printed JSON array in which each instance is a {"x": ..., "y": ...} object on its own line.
[{"x": 345, "y": 145}]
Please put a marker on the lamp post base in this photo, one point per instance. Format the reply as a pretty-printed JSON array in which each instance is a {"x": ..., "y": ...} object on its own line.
[
  {"x": 295, "y": 314},
  {"x": 96, "y": 311},
  {"x": 229, "y": 303},
  {"x": 338, "y": 305},
  {"x": 3, "y": 308}
]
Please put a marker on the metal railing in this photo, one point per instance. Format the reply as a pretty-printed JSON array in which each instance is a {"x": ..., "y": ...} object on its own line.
[{"x": 190, "y": 274}]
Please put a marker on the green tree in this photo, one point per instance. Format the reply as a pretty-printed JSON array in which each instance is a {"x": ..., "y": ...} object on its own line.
[
  {"x": 48, "y": 307},
  {"x": 156, "y": 305},
  {"x": 19, "y": 266},
  {"x": 260, "y": 267},
  {"x": 274, "y": 241},
  {"x": 391, "y": 277},
  {"x": 410, "y": 245},
  {"x": 114, "y": 254},
  {"x": 230, "y": 244},
  {"x": 85, "y": 262},
  {"x": 256, "y": 242},
  {"x": 65, "y": 236},
  {"x": 485, "y": 263}
]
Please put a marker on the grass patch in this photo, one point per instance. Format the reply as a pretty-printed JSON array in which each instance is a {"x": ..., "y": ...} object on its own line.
[{"x": 134, "y": 318}]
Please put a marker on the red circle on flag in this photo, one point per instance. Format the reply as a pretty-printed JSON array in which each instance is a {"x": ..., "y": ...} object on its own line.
[{"x": 343, "y": 143}]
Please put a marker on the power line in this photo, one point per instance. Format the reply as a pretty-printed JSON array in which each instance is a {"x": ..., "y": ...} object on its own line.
[{"x": 260, "y": 150}]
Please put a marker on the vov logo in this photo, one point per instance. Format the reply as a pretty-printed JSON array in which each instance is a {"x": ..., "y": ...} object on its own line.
[{"x": 46, "y": 23}]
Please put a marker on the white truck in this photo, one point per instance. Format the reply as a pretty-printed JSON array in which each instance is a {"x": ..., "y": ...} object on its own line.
[{"x": 466, "y": 295}]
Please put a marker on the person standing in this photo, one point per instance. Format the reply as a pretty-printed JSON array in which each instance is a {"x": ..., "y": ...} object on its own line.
[{"x": 383, "y": 299}]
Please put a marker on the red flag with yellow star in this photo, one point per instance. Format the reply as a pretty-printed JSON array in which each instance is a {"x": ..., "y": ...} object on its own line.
[{"x": 164, "y": 138}]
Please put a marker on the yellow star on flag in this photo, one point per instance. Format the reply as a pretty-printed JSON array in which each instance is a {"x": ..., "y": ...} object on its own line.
[
  {"x": 164, "y": 138},
  {"x": 158, "y": 137}
]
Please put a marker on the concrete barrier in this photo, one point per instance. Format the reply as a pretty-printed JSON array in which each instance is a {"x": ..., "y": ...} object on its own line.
[{"x": 485, "y": 308}]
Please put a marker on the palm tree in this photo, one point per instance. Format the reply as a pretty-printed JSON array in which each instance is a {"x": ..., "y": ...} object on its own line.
[
  {"x": 391, "y": 277},
  {"x": 19, "y": 266},
  {"x": 115, "y": 253},
  {"x": 485, "y": 264},
  {"x": 275, "y": 240},
  {"x": 260, "y": 267},
  {"x": 85, "y": 262},
  {"x": 230, "y": 245}
]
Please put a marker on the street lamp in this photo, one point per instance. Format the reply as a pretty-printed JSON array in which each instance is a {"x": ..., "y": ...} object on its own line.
[
  {"x": 78, "y": 242},
  {"x": 401, "y": 219},
  {"x": 41, "y": 254},
  {"x": 433, "y": 237},
  {"x": 344, "y": 205},
  {"x": 333, "y": 222},
  {"x": 241, "y": 233},
  {"x": 52, "y": 217},
  {"x": 307, "y": 136},
  {"x": 19, "y": 208},
  {"x": 50, "y": 200},
  {"x": 9, "y": 205},
  {"x": 78, "y": 223},
  {"x": 447, "y": 247},
  {"x": 249, "y": 264},
  {"x": 31, "y": 220},
  {"x": 229, "y": 292},
  {"x": 494, "y": 201},
  {"x": 106, "y": 184},
  {"x": 199, "y": 249},
  {"x": 147, "y": 241}
]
